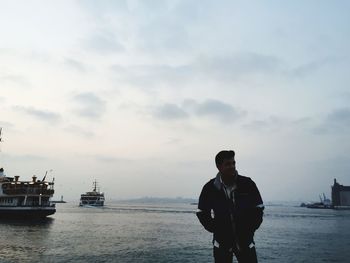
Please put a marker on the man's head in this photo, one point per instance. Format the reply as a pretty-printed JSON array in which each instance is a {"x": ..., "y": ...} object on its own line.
[{"x": 225, "y": 162}]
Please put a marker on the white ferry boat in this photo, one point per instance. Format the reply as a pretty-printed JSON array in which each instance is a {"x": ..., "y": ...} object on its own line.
[
  {"x": 93, "y": 198},
  {"x": 25, "y": 198}
]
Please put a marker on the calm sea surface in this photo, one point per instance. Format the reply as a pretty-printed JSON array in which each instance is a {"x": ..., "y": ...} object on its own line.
[{"x": 122, "y": 232}]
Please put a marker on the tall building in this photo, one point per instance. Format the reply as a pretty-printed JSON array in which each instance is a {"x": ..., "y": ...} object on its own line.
[{"x": 340, "y": 194}]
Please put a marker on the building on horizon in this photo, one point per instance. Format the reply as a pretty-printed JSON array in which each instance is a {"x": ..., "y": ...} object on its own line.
[{"x": 340, "y": 194}]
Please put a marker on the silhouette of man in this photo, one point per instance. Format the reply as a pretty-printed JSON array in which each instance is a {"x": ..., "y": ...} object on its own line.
[{"x": 237, "y": 211}]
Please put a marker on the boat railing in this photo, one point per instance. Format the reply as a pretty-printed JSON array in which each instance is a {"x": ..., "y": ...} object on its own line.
[
  {"x": 28, "y": 191},
  {"x": 37, "y": 205}
]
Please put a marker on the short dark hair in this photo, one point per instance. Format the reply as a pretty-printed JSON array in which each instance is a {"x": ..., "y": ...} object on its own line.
[{"x": 221, "y": 156}]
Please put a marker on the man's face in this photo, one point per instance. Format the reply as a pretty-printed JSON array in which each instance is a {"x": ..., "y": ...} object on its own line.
[{"x": 228, "y": 167}]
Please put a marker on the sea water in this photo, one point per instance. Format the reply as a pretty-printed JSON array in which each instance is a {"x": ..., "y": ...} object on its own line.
[{"x": 159, "y": 232}]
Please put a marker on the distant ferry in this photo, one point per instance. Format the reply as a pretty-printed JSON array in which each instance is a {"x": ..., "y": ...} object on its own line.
[
  {"x": 25, "y": 199},
  {"x": 93, "y": 198},
  {"x": 324, "y": 203}
]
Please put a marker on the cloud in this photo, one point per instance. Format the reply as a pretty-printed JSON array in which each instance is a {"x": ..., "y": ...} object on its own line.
[
  {"x": 5, "y": 124},
  {"x": 154, "y": 27},
  {"x": 174, "y": 141},
  {"x": 231, "y": 67},
  {"x": 72, "y": 63},
  {"x": 25, "y": 157},
  {"x": 79, "y": 131},
  {"x": 309, "y": 68},
  {"x": 104, "y": 43},
  {"x": 277, "y": 123},
  {"x": 43, "y": 115},
  {"x": 170, "y": 112},
  {"x": 346, "y": 95},
  {"x": 14, "y": 78},
  {"x": 163, "y": 36},
  {"x": 89, "y": 105},
  {"x": 198, "y": 70},
  {"x": 214, "y": 109},
  {"x": 340, "y": 116},
  {"x": 109, "y": 7},
  {"x": 149, "y": 77},
  {"x": 260, "y": 125},
  {"x": 217, "y": 109},
  {"x": 337, "y": 121}
]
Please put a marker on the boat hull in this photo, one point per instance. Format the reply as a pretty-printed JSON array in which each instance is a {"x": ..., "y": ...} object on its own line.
[
  {"x": 87, "y": 205},
  {"x": 26, "y": 212},
  {"x": 319, "y": 207}
]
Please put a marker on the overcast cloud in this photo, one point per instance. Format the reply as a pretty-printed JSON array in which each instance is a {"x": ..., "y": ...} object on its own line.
[
  {"x": 141, "y": 95},
  {"x": 43, "y": 115},
  {"x": 89, "y": 105}
]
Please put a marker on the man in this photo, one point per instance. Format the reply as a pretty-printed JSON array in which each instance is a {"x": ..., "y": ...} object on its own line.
[{"x": 238, "y": 211}]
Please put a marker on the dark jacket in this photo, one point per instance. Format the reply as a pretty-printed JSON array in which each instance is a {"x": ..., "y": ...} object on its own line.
[{"x": 234, "y": 223}]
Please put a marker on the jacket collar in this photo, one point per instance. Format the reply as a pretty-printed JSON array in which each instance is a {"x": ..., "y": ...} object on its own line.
[{"x": 218, "y": 182}]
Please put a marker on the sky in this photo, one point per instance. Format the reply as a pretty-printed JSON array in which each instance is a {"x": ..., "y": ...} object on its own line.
[{"x": 140, "y": 95}]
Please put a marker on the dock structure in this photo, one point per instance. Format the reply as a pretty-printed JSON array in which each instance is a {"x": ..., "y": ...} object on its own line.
[{"x": 340, "y": 195}]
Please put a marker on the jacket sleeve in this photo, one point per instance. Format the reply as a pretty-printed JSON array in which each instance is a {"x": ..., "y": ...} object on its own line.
[
  {"x": 258, "y": 209},
  {"x": 204, "y": 209}
]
